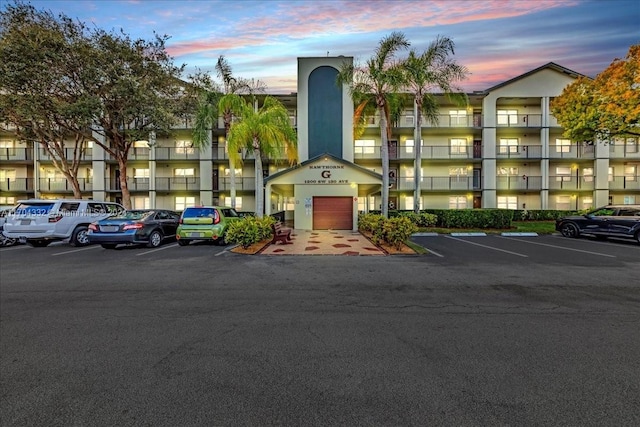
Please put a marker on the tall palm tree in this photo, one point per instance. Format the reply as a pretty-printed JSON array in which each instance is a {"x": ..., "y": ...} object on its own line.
[
  {"x": 433, "y": 69},
  {"x": 267, "y": 132},
  {"x": 374, "y": 83}
]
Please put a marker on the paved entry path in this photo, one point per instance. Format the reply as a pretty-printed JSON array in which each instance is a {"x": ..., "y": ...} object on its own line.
[{"x": 324, "y": 242}]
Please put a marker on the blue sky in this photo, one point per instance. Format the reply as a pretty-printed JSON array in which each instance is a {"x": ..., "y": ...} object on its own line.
[{"x": 496, "y": 39}]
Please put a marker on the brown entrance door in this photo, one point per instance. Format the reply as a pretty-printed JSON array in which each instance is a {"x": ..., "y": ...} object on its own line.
[{"x": 332, "y": 213}]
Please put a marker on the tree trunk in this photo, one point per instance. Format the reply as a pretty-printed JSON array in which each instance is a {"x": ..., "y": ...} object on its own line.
[
  {"x": 417, "y": 163},
  {"x": 259, "y": 181},
  {"x": 384, "y": 154},
  {"x": 75, "y": 185},
  {"x": 126, "y": 196},
  {"x": 232, "y": 184}
]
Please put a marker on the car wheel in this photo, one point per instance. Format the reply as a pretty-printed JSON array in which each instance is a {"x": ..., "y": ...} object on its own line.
[
  {"x": 155, "y": 239},
  {"x": 638, "y": 237},
  {"x": 183, "y": 242},
  {"x": 109, "y": 245},
  {"x": 222, "y": 241},
  {"x": 38, "y": 243},
  {"x": 79, "y": 236},
  {"x": 569, "y": 229}
]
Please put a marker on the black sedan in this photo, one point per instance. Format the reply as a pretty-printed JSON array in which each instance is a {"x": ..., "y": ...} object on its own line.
[
  {"x": 144, "y": 226},
  {"x": 608, "y": 221}
]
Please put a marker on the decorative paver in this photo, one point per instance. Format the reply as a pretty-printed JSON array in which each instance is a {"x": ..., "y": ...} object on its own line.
[{"x": 325, "y": 242}]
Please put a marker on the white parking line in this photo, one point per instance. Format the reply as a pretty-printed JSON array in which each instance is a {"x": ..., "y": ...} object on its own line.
[
  {"x": 560, "y": 247},
  {"x": 76, "y": 250},
  {"x": 488, "y": 247},
  {"x": 158, "y": 249},
  {"x": 430, "y": 250}
]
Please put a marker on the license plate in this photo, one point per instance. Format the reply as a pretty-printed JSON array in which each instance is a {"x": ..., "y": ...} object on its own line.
[
  {"x": 109, "y": 228},
  {"x": 195, "y": 234},
  {"x": 25, "y": 221},
  {"x": 22, "y": 239}
]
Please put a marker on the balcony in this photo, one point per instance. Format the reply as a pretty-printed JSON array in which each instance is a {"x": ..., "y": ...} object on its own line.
[
  {"x": 624, "y": 151},
  {"x": 433, "y": 152},
  {"x": 177, "y": 153},
  {"x": 573, "y": 151},
  {"x": 438, "y": 183},
  {"x": 86, "y": 154},
  {"x": 519, "y": 121},
  {"x": 242, "y": 183},
  {"x": 520, "y": 183},
  {"x": 519, "y": 151},
  {"x": 178, "y": 183},
  {"x": 17, "y": 184},
  {"x": 624, "y": 183},
  {"x": 564, "y": 182},
  {"x": 62, "y": 185},
  {"x": 16, "y": 154},
  {"x": 443, "y": 121}
]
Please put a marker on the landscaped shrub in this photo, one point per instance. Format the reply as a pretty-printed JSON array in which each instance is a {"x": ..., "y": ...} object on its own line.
[
  {"x": 421, "y": 219},
  {"x": 541, "y": 215},
  {"x": 249, "y": 230},
  {"x": 396, "y": 230},
  {"x": 473, "y": 218}
]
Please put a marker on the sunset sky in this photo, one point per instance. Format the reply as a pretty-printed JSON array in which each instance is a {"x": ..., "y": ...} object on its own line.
[{"x": 495, "y": 39}]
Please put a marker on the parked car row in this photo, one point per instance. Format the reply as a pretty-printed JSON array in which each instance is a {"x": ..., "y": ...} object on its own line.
[
  {"x": 83, "y": 222},
  {"x": 622, "y": 221}
]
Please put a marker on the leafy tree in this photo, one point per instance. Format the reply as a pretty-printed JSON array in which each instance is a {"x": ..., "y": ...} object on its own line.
[
  {"x": 267, "y": 132},
  {"x": 605, "y": 107},
  {"x": 432, "y": 69},
  {"x": 373, "y": 84},
  {"x": 34, "y": 59}
]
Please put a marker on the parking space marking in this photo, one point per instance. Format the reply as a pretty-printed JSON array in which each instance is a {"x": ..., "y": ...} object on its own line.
[
  {"x": 559, "y": 247},
  {"x": 488, "y": 247},
  {"x": 158, "y": 249},
  {"x": 430, "y": 250},
  {"x": 76, "y": 250},
  {"x": 615, "y": 243}
]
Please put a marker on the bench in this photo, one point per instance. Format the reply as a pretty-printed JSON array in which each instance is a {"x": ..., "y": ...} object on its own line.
[{"x": 280, "y": 233}]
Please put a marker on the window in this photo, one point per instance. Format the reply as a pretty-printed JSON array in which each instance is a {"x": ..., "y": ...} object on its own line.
[
  {"x": 458, "y": 171},
  {"x": 508, "y": 171},
  {"x": 563, "y": 145},
  {"x": 184, "y": 147},
  {"x": 587, "y": 203},
  {"x": 227, "y": 172},
  {"x": 53, "y": 174},
  {"x": 457, "y": 202},
  {"x": 629, "y": 200},
  {"x": 587, "y": 174},
  {"x": 8, "y": 147},
  {"x": 140, "y": 202},
  {"x": 458, "y": 146},
  {"x": 7, "y": 175},
  {"x": 611, "y": 175},
  {"x": 508, "y": 145},
  {"x": 365, "y": 146},
  {"x": 140, "y": 144},
  {"x": 7, "y": 200},
  {"x": 631, "y": 145},
  {"x": 630, "y": 173},
  {"x": 563, "y": 203},
  {"x": 184, "y": 172},
  {"x": 409, "y": 146},
  {"x": 458, "y": 117},
  {"x": 507, "y": 117},
  {"x": 563, "y": 173},
  {"x": 140, "y": 173},
  {"x": 507, "y": 202},
  {"x": 227, "y": 202},
  {"x": 181, "y": 203},
  {"x": 409, "y": 121}
]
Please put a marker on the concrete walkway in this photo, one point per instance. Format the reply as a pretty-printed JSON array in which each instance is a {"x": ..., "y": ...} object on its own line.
[{"x": 324, "y": 242}]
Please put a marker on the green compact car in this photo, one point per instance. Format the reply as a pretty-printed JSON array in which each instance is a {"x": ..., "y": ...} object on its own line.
[{"x": 207, "y": 223}]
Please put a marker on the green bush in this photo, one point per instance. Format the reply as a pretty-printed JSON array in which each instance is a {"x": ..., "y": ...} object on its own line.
[
  {"x": 422, "y": 219},
  {"x": 540, "y": 215},
  {"x": 249, "y": 230},
  {"x": 398, "y": 229},
  {"x": 473, "y": 218}
]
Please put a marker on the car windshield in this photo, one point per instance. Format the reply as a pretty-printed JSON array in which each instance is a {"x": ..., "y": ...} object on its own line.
[
  {"x": 200, "y": 213},
  {"x": 603, "y": 212},
  {"x": 132, "y": 215},
  {"x": 37, "y": 208}
]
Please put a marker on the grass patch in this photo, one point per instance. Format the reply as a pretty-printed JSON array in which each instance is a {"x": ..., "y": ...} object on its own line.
[
  {"x": 417, "y": 248},
  {"x": 540, "y": 227}
]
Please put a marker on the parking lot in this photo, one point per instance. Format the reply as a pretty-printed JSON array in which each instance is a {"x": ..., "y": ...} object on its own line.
[{"x": 482, "y": 330}]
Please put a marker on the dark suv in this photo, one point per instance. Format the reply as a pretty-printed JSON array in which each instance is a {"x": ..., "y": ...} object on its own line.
[{"x": 608, "y": 221}]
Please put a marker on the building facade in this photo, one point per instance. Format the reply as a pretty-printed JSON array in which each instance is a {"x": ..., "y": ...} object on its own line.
[{"x": 504, "y": 150}]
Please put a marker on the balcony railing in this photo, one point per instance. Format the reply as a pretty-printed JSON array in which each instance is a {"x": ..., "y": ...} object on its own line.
[
  {"x": 564, "y": 182},
  {"x": 522, "y": 183},
  {"x": 624, "y": 151},
  {"x": 519, "y": 120},
  {"x": 177, "y": 153},
  {"x": 443, "y": 121},
  {"x": 178, "y": 183},
  {"x": 519, "y": 152},
  {"x": 438, "y": 183},
  {"x": 444, "y": 152},
  {"x": 62, "y": 185},
  {"x": 242, "y": 184},
  {"x": 68, "y": 153},
  {"x": 573, "y": 151},
  {"x": 624, "y": 183},
  {"x": 16, "y": 154},
  {"x": 17, "y": 184}
]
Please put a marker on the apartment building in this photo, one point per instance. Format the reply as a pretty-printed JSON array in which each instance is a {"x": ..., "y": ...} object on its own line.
[{"x": 504, "y": 150}]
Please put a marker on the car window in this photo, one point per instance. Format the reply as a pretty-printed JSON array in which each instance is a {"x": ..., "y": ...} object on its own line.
[
  {"x": 113, "y": 208},
  {"x": 96, "y": 208},
  {"x": 228, "y": 212},
  {"x": 34, "y": 208},
  {"x": 603, "y": 212},
  {"x": 162, "y": 215},
  {"x": 69, "y": 207},
  {"x": 200, "y": 213},
  {"x": 629, "y": 212}
]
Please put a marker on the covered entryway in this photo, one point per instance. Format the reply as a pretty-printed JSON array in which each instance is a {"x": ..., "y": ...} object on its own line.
[{"x": 332, "y": 213}]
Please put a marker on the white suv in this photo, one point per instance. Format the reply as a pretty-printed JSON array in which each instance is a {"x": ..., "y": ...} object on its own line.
[{"x": 40, "y": 222}]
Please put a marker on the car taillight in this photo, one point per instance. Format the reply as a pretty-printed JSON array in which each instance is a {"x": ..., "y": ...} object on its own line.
[
  {"x": 216, "y": 219},
  {"x": 134, "y": 226},
  {"x": 55, "y": 218},
  {"x": 180, "y": 220},
  {"x": 93, "y": 227}
]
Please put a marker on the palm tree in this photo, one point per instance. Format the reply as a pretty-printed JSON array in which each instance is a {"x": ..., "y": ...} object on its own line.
[
  {"x": 433, "y": 69},
  {"x": 374, "y": 84},
  {"x": 267, "y": 132}
]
